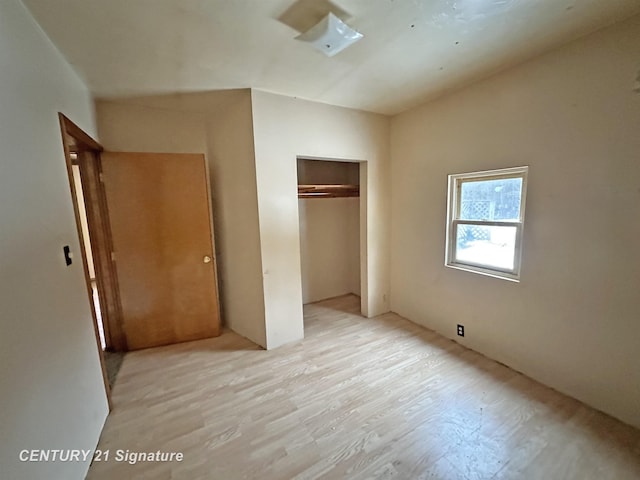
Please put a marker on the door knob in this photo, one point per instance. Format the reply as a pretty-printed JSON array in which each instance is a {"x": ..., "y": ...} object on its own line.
[{"x": 206, "y": 259}]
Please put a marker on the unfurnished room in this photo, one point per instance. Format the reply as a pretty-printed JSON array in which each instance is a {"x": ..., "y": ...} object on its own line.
[{"x": 320, "y": 239}]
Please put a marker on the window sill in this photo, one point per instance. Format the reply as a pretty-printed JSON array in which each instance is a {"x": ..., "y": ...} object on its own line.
[{"x": 510, "y": 277}]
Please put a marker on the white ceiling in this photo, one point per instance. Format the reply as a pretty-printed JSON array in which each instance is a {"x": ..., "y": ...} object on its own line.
[{"x": 413, "y": 50}]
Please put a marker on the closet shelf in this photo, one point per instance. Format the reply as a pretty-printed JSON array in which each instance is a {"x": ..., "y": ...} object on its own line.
[{"x": 328, "y": 191}]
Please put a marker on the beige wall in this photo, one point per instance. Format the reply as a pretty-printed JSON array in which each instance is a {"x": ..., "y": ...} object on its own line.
[
  {"x": 137, "y": 127},
  {"x": 322, "y": 172},
  {"x": 252, "y": 140},
  {"x": 217, "y": 124},
  {"x": 51, "y": 390},
  {"x": 233, "y": 172},
  {"x": 329, "y": 247},
  {"x": 573, "y": 117},
  {"x": 353, "y": 245},
  {"x": 285, "y": 128}
]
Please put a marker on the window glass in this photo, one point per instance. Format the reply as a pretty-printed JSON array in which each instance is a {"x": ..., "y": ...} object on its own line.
[
  {"x": 485, "y": 218},
  {"x": 492, "y": 200},
  {"x": 488, "y": 246}
]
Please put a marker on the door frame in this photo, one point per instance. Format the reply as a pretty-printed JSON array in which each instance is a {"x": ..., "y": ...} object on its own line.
[
  {"x": 99, "y": 226},
  {"x": 87, "y": 153}
]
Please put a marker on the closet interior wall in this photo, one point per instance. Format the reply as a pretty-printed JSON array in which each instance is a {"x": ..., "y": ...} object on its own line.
[{"x": 329, "y": 232}]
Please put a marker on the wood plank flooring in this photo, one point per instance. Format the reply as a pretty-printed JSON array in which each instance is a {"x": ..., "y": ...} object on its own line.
[{"x": 357, "y": 398}]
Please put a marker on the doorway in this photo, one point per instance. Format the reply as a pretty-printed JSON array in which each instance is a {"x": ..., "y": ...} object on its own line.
[
  {"x": 145, "y": 229},
  {"x": 82, "y": 158},
  {"x": 329, "y": 207},
  {"x": 112, "y": 358},
  {"x": 86, "y": 247}
]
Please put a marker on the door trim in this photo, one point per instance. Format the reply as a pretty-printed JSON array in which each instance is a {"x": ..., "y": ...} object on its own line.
[{"x": 84, "y": 147}]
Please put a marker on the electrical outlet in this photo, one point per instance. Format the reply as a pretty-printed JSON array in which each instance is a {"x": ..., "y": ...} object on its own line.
[{"x": 460, "y": 330}]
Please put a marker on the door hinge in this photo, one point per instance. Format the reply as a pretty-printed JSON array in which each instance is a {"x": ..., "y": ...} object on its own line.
[
  {"x": 101, "y": 177},
  {"x": 113, "y": 256}
]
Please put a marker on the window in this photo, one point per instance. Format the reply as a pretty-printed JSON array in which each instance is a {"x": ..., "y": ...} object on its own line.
[{"x": 485, "y": 215}]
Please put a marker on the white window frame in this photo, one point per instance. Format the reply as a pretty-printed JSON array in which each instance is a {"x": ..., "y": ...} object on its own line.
[{"x": 453, "y": 221}]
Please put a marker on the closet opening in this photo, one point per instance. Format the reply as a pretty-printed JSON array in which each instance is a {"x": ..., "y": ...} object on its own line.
[{"x": 329, "y": 206}]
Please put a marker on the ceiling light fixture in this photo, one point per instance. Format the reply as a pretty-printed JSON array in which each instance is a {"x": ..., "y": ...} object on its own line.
[{"x": 331, "y": 35}]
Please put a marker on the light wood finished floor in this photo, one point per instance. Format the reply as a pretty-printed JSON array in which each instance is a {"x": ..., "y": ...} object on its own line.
[{"x": 358, "y": 398}]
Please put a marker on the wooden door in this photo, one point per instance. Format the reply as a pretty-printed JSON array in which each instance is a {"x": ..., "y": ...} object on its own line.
[{"x": 160, "y": 215}]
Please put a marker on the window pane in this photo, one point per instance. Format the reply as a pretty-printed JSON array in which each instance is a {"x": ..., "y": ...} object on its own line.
[
  {"x": 497, "y": 199},
  {"x": 486, "y": 246}
]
